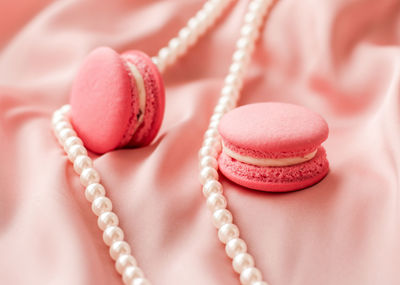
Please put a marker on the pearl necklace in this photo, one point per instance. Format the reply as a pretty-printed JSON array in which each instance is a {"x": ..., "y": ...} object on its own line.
[{"x": 228, "y": 233}]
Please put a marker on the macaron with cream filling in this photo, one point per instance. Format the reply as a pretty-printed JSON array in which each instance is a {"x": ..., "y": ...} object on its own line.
[
  {"x": 273, "y": 147},
  {"x": 117, "y": 100}
]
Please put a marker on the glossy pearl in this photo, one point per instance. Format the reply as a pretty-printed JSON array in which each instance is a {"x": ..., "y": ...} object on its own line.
[
  {"x": 214, "y": 143},
  {"x": 208, "y": 161},
  {"x": 230, "y": 90},
  {"x": 216, "y": 117},
  {"x": 232, "y": 79},
  {"x": 107, "y": 219},
  {"x": 112, "y": 234},
  {"x": 242, "y": 261},
  {"x": 259, "y": 283},
  {"x": 119, "y": 247},
  {"x": 82, "y": 162},
  {"x": 123, "y": 261},
  {"x": 211, "y": 133},
  {"x": 101, "y": 205},
  {"x": 72, "y": 141},
  {"x": 208, "y": 173},
  {"x": 57, "y": 118},
  {"x": 65, "y": 133},
  {"x": 93, "y": 191},
  {"x": 228, "y": 232},
  {"x": 89, "y": 176},
  {"x": 250, "y": 275},
  {"x": 61, "y": 126},
  {"x": 65, "y": 109},
  {"x": 222, "y": 217},
  {"x": 130, "y": 273},
  {"x": 75, "y": 150},
  {"x": 215, "y": 202},
  {"x": 207, "y": 151},
  {"x": 140, "y": 281},
  {"x": 211, "y": 187},
  {"x": 235, "y": 246}
]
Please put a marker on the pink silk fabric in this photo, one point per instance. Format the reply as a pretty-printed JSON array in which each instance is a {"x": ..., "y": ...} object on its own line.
[{"x": 340, "y": 58}]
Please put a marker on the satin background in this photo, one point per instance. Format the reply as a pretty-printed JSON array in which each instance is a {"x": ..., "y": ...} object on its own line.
[{"x": 340, "y": 58}]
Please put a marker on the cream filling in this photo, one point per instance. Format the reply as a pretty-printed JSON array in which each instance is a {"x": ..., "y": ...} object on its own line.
[
  {"x": 142, "y": 93},
  {"x": 268, "y": 161}
]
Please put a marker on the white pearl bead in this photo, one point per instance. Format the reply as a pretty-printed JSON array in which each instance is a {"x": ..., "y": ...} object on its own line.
[
  {"x": 64, "y": 134},
  {"x": 234, "y": 80},
  {"x": 214, "y": 143},
  {"x": 130, "y": 273},
  {"x": 227, "y": 232},
  {"x": 65, "y": 109},
  {"x": 207, "y": 151},
  {"x": 237, "y": 68},
  {"x": 156, "y": 61},
  {"x": 82, "y": 162},
  {"x": 249, "y": 31},
  {"x": 216, "y": 117},
  {"x": 107, "y": 219},
  {"x": 186, "y": 36},
  {"x": 93, "y": 191},
  {"x": 193, "y": 24},
  {"x": 211, "y": 133},
  {"x": 164, "y": 53},
  {"x": 208, "y": 173},
  {"x": 89, "y": 176},
  {"x": 220, "y": 108},
  {"x": 255, "y": 6},
  {"x": 112, "y": 234},
  {"x": 58, "y": 118},
  {"x": 213, "y": 125},
  {"x": 227, "y": 101},
  {"x": 62, "y": 125},
  {"x": 259, "y": 283},
  {"x": 119, "y": 247},
  {"x": 208, "y": 161},
  {"x": 230, "y": 91},
  {"x": 72, "y": 141},
  {"x": 235, "y": 246},
  {"x": 176, "y": 45},
  {"x": 216, "y": 201},
  {"x": 123, "y": 261},
  {"x": 202, "y": 17},
  {"x": 222, "y": 217},
  {"x": 242, "y": 261},
  {"x": 101, "y": 205},
  {"x": 211, "y": 187},
  {"x": 209, "y": 7},
  {"x": 75, "y": 150},
  {"x": 140, "y": 281},
  {"x": 245, "y": 44},
  {"x": 250, "y": 275},
  {"x": 252, "y": 18}
]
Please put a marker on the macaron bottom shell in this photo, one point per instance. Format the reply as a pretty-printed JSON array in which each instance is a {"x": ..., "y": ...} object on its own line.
[{"x": 276, "y": 179}]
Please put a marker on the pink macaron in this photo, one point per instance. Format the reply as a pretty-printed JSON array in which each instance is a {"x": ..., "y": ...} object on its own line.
[
  {"x": 273, "y": 147},
  {"x": 117, "y": 100}
]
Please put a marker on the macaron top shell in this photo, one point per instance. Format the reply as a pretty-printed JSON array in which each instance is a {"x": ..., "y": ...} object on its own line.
[
  {"x": 103, "y": 101},
  {"x": 272, "y": 130}
]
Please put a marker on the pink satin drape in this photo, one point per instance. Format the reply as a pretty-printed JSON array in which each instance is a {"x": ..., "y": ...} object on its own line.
[{"x": 340, "y": 58}]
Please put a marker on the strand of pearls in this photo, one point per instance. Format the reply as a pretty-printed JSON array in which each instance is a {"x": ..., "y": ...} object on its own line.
[
  {"x": 188, "y": 36},
  {"x": 228, "y": 233},
  {"x": 113, "y": 235}
]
